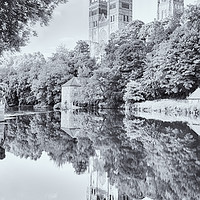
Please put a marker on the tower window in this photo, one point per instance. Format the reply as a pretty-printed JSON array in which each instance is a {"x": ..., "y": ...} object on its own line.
[
  {"x": 112, "y": 6},
  {"x": 102, "y": 11},
  {"x": 112, "y": 18},
  {"x": 126, "y": 18},
  {"x": 125, "y": 5},
  {"x": 95, "y": 24},
  {"x": 94, "y": 12}
]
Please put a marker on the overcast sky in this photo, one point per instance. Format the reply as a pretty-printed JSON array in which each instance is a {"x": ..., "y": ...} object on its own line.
[{"x": 70, "y": 24}]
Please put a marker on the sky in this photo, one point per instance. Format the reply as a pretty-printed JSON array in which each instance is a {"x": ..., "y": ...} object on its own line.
[{"x": 70, "y": 24}]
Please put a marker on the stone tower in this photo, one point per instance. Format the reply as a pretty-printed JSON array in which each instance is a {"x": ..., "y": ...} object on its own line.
[
  {"x": 120, "y": 14},
  {"x": 169, "y": 8},
  {"x": 106, "y": 17}
]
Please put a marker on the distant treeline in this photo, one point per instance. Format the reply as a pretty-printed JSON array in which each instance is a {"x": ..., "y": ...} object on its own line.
[{"x": 142, "y": 62}]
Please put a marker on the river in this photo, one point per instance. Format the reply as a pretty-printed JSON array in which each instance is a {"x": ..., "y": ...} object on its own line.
[{"x": 97, "y": 156}]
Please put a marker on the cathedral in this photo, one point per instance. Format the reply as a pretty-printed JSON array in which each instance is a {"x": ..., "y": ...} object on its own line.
[
  {"x": 169, "y": 8},
  {"x": 108, "y": 16}
]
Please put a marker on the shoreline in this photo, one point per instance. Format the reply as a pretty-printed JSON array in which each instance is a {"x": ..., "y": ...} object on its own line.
[
  {"x": 179, "y": 107},
  {"x": 186, "y": 111}
]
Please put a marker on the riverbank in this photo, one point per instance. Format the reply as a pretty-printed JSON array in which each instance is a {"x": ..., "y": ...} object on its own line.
[
  {"x": 179, "y": 107},
  {"x": 187, "y": 111}
]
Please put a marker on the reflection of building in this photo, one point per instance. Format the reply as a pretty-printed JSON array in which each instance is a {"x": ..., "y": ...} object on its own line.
[
  {"x": 106, "y": 17},
  {"x": 169, "y": 8},
  {"x": 99, "y": 183},
  {"x": 100, "y": 186},
  {"x": 2, "y": 153},
  {"x": 2, "y": 108},
  {"x": 2, "y": 138},
  {"x": 70, "y": 122}
]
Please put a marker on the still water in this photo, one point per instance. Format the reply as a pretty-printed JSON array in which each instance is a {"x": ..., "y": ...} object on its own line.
[{"x": 97, "y": 156}]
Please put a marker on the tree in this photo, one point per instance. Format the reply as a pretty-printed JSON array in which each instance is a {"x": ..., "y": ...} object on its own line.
[
  {"x": 56, "y": 71},
  {"x": 134, "y": 92},
  {"x": 124, "y": 60},
  {"x": 131, "y": 59},
  {"x": 124, "y": 36},
  {"x": 172, "y": 68},
  {"x": 17, "y": 17},
  {"x": 18, "y": 74}
]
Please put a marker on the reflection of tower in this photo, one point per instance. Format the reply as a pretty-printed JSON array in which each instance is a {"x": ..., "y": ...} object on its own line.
[
  {"x": 169, "y": 8},
  {"x": 2, "y": 153},
  {"x": 2, "y": 138},
  {"x": 106, "y": 17},
  {"x": 99, "y": 183},
  {"x": 2, "y": 108}
]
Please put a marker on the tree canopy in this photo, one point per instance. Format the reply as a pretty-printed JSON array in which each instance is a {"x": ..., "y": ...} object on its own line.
[{"x": 17, "y": 18}]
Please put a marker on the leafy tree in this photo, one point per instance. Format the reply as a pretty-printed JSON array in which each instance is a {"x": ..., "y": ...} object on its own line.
[
  {"x": 134, "y": 92},
  {"x": 124, "y": 36},
  {"x": 56, "y": 71},
  {"x": 173, "y": 66},
  {"x": 19, "y": 73},
  {"x": 131, "y": 59},
  {"x": 124, "y": 60},
  {"x": 152, "y": 33},
  {"x": 17, "y": 17}
]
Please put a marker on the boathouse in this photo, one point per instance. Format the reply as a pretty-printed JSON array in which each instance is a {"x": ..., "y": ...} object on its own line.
[{"x": 70, "y": 93}]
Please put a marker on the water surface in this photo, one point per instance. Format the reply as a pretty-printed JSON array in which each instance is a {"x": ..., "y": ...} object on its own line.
[{"x": 102, "y": 156}]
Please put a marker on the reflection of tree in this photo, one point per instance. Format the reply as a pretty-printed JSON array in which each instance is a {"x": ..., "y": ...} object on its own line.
[
  {"x": 29, "y": 136},
  {"x": 172, "y": 157},
  {"x": 141, "y": 157},
  {"x": 147, "y": 157}
]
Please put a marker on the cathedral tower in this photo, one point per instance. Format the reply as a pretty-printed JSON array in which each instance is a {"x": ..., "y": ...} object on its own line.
[
  {"x": 120, "y": 13},
  {"x": 169, "y": 8},
  {"x": 97, "y": 14},
  {"x": 106, "y": 17}
]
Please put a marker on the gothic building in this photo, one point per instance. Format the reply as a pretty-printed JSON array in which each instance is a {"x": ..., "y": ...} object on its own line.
[
  {"x": 106, "y": 17},
  {"x": 169, "y": 8}
]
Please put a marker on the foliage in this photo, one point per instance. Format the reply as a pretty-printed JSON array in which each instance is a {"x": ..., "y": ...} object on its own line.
[
  {"x": 124, "y": 59},
  {"x": 173, "y": 64},
  {"x": 141, "y": 62},
  {"x": 134, "y": 92},
  {"x": 17, "y": 17},
  {"x": 31, "y": 79},
  {"x": 134, "y": 152}
]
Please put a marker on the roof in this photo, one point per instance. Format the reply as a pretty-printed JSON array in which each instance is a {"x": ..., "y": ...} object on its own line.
[
  {"x": 74, "y": 82},
  {"x": 195, "y": 94}
]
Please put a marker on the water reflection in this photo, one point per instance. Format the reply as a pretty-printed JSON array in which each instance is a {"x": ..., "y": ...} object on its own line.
[
  {"x": 2, "y": 136},
  {"x": 127, "y": 157}
]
